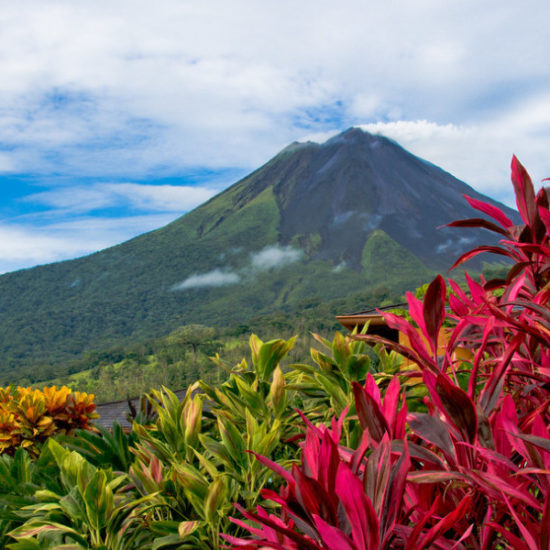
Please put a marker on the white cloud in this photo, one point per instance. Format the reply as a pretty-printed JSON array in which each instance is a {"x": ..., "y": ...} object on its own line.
[
  {"x": 274, "y": 257},
  {"x": 478, "y": 154},
  {"x": 167, "y": 198},
  {"x": 214, "y": 278},
  {"x": 270, "y": 257}
]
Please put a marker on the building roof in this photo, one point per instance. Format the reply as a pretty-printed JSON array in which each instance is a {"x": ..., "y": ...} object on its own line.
[{"x": 116, "y": 411}]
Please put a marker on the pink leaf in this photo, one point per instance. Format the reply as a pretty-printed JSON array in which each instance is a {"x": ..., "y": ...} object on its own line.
[
  {"x": 332, "y": 537},
  {"x": 525, "y": 193},
  {"x": 274, "y": 466},
  {"x": 359, "y": 510},
  {"x": 391, "y": 402},
  {"x": 478, "y": 222},
  {"x": 445, "y": 524},
  {"x": 495, "y": 213},
  {"x": 434, "y": 309},
  {"x": 527, "y": 535},
  {"x": 478, "y": 250},
  {"x": 370, "y": 415}
]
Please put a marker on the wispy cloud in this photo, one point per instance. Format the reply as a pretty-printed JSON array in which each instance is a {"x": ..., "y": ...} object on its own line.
[
  {"x": 273, "y": 257},
  {"x": 167, "y": 198},
  {"x": 214, "y": 278},
  {"x": 131, "y": 88},
  {"x": 270, "y": 257}
]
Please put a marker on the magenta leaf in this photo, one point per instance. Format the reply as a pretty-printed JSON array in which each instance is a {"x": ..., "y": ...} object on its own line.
[
  {"x": 370, "y": 415},
  {"x": 333, "y": 538},
  {"x": 434, "y": 309},
  {"x": 359, "y": 510},
  {"x": 445, "y": 524},
  {"x": 478, "y": 222},
  {"x": 493, "y": 211},
  {"x": 459, "y": 408},
  {"x": 479, "y": 250},
  {"x": 525, "y": 193}
]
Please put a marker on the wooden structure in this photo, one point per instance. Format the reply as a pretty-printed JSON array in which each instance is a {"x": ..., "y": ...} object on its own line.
[
  {"x": 378, "y": 327},
  {"x": 377, "y": 324}
]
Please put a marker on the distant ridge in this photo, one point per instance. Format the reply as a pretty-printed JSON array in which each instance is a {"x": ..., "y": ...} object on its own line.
[{"x": 316, "y": 221}]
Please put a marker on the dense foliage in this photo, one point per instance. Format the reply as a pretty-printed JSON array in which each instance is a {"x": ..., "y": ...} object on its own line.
[
  {"x": 472, "y": 470},
  {"x": 144, "y": 355},
  {"x": 349, "y": 451}
]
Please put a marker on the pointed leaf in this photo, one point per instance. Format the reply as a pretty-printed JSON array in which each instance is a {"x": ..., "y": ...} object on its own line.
[
  {"x": 459, "y": 408},
  {"x": 434, "y": 309},
  {"x": 525, "y": 193},
  {"x": 495, "y": 213},
  {"x": 332, "y": 537},
  {"x": 370, "y": 416},
  {"x": 359, "y": 510}
]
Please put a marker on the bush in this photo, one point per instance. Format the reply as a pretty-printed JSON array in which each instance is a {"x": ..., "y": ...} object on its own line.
[{"x": 28, "y": 417}]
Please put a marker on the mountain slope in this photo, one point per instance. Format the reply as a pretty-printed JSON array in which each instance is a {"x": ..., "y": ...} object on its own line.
[{"x": 318, "y": 220}]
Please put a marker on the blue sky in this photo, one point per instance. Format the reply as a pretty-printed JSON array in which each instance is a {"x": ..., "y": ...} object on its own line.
[{"x": 118, "y": 117}]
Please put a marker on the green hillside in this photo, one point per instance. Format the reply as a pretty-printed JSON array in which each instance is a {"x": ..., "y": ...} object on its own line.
[{"x": 317, "y": 222}]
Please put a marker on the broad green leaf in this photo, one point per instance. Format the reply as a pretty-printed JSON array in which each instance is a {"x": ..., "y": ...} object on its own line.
[
  {"x": 232, "y": 440},
  {"x": 267, "y": 355},
  {"x": 216, "y": 494}
]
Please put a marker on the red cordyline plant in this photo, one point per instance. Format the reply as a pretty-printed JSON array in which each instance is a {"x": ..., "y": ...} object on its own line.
[{"x": 474, "y": 470}]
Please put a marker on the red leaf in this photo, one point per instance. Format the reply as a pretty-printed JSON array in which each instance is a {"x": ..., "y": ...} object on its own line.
[
  {"x": 545, "y": 217},
  {"x": 515, "y": 542},
  {"x": 479, "y": 250},
  {"x": 527, "y": 535},
  {"x": 370, "y": 416},
  {"x": 398, "y": 323},
  {"x": 445, "y": 524},
  {"x": 495, "y": 213},
  {"x": 459, "y": 408},
  {"x": 478, "y": 222},
  {"x": 417, "y": 313},
  {"x": 328, "y": 462},
  {"x": 434, "y": 309},
  {"x": 303, "y": 542},
  {"x": 360, "y": 452},
  {"x": 391, "y": 403},
  {"x": 545, "y": 525},
  {"x": 332, "y": 537},
  {"x": 278, "y": 469},
  {"x": 493, "y": 388},
  {"x": 525, "y": 193},
  {"x": 359, "y": 510},
  {"x": 393, "y": 501}
]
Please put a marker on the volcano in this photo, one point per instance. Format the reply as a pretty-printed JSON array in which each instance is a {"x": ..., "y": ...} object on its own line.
[{"x": 316, "y": 221}]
